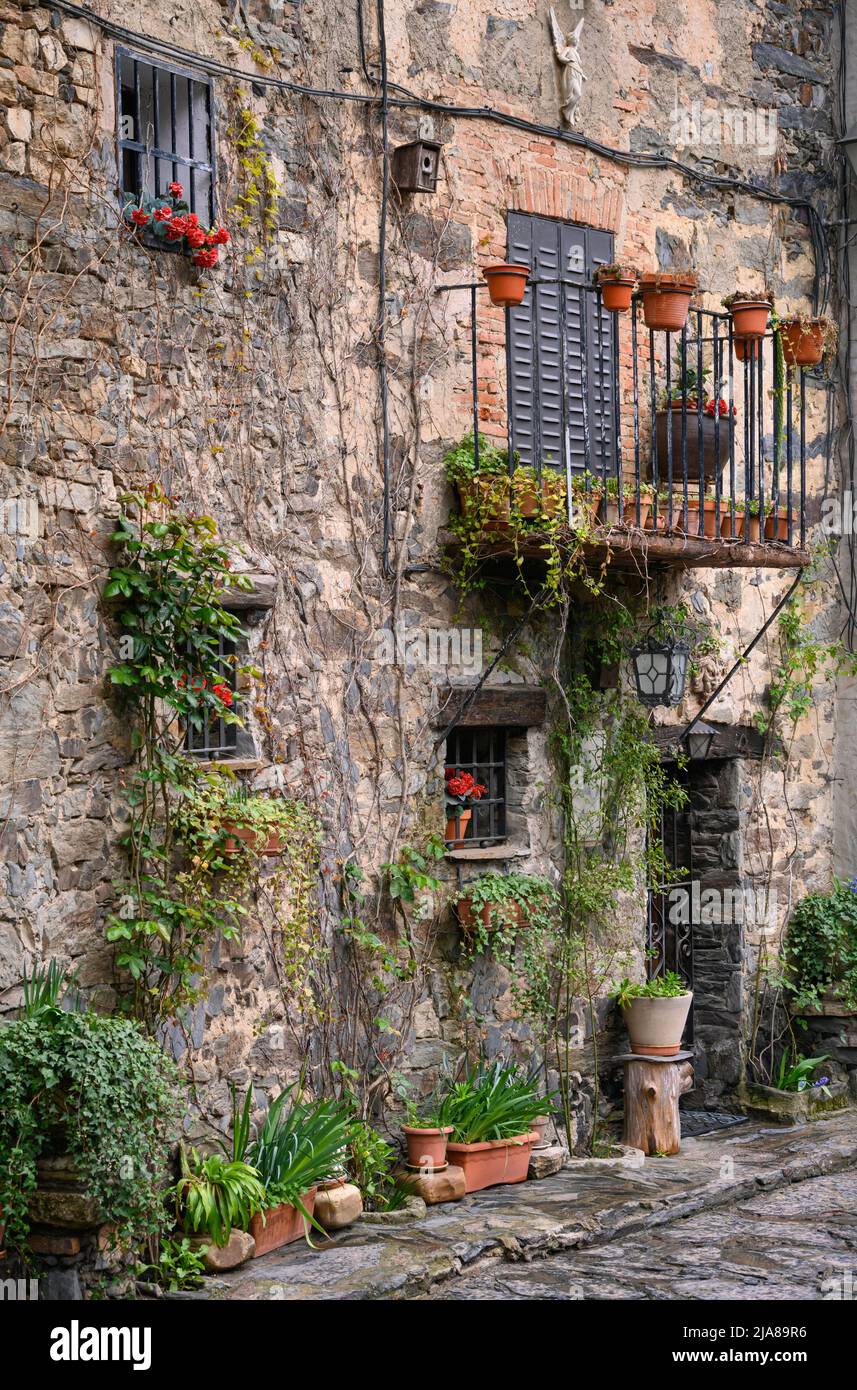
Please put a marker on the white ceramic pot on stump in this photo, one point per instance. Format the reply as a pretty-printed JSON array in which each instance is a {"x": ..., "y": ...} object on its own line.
[{"x": 655, "y": 1026}]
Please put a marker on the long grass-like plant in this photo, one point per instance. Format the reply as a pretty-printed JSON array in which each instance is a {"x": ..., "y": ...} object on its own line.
[{"x": 491, "y": 1102}]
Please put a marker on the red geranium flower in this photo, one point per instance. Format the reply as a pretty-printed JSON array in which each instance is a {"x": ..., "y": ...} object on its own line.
[
  {"x": 162, "y": 214},
  {"x": 176, "y": 229},
  {"x": 221, "y": 236},
  {"x": 205, "y": 258},
  {"x": 140, "y": 217},
  {"x": 195, "y": 236},
  {"x": 192, "y": 219},
  {"x": 176, "y": 189},
  {"x": 223, "y": 693}
]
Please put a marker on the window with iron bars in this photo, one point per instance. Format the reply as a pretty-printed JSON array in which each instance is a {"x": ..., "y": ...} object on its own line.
[
  {"x": 216, "y": 739},
  {"x": 166, "y": 133},
  {"x": 482, "y": 753}
]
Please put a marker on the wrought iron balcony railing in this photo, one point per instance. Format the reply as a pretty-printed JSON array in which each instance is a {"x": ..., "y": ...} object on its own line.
[{"x": 622, "y": 412}]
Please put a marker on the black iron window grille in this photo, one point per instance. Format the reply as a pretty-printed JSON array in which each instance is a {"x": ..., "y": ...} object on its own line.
[
  {"x": 215, "y": 738},
  {"x": 166, "y": 133},
  {"x": 482, "y": 753}
]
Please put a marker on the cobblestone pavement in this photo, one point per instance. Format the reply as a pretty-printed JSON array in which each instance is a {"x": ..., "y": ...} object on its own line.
[
  {"x": 796, "y": 1243},
  {"x": 591, "y": 1214}
]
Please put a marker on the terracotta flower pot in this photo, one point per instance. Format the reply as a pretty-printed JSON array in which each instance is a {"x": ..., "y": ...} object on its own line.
[
  {"x": 751, "y": 532},
  {"x": 511, "y": 915},
  {"x": 710, "y": 525},
  {"x": 495, "y": 1161},
  {"x": 531, "y": 501},
  {"x": 540, "y": 1124},
  {"x": 742, "y": 345},
  {"x": 455, "y": 836},
  {"x": 608, "y": 511},
  {"x": 777, "y": 527},
  {"x": 282, "y": 1224},
  {"x": 666, "y": 302},
  {"x": 507, "y": 284},
  {"x": 426, "y": 1147},
  {"x": 489, "y": 499},
  {"x": 803, "y": 343},
  {"x": 750, "y": 318},
  {"x": 655, "y": 1026},
  {"x": 616, "y": 294},
  {"x": 272, "y": 844}
]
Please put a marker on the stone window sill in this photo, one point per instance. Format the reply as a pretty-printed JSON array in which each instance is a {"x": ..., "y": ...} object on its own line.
[
  {"x": 234, "y": 764},
  {"x": 496, "y": 853}
]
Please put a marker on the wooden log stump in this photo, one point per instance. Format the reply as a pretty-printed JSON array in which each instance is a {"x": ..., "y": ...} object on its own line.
[{"x": 653, "y": 1086}]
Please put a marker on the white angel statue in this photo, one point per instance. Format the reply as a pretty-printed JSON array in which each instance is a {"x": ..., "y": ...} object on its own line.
[{"x": 573, "y": 77}]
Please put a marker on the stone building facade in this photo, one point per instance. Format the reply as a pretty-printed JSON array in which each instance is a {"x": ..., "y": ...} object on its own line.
[{"x": 252, "y": 392}]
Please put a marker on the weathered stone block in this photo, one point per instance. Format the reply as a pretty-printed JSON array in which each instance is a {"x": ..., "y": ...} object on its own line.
[
  {"x": 433, "y": 1188},
  {"x": 545, "y": 1162},
  {"x": 239, "y": 1248},
  {"x": 338, "y": 1206}
]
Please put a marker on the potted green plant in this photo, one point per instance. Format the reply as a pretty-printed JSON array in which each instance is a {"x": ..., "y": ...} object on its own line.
[
  {"x": 491, "y": 1110},
  {"x": 806, "y": 339},
  {"x": 91, "y": 1104},
  {"x": 299, "y": 1145},
  {"x": 496, "y": 902},
  {"x": 220, "y": 817},
  {"x": 215, "y": 1194},
  {"x": 425, "y": 1139},
  {"x": 796, "y": 1093},
  {"x": 507, "y": 284},
  {"x": 608, "y": 508},
  {"x": 749, "y": 311},
  {"x": 655, "y": 1012},
  {"x": 483, "y": 485},
  {"x": 666, "y": 298},
  {"x": 617, "y": 283}
]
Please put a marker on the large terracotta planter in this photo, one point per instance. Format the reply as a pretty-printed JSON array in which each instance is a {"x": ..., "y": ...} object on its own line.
[
  {"x": 750, "y": 318},
  {"x": 655, "y": 1026},
  {"x": 511, "y": 915},
  {"x": 714, "y": 459},
  {"x": 259, "y": 844},
  {"x": 616, "y": 294},
  {"x": 455, "y": 833},
  {"x": 666, "y": 302},
  {"x": 803, "y": 343},
  {"x": 493, "y": 1162},
  {"x": 282, "y": 1224},
  {"x": 507, "y": 284},
  {"x": 426, "y": 1147}
]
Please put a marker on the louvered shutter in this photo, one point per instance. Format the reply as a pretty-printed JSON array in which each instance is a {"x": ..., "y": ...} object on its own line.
[{"x": 545, "y": 369}]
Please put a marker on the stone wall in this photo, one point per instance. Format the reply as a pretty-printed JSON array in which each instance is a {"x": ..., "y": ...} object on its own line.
[{"x": 252, "y": 392}]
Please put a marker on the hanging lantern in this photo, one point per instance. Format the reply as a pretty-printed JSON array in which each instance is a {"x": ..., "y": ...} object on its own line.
[
  {"x": 700, "y": 740},
  {"x": 660, "y": 669}
]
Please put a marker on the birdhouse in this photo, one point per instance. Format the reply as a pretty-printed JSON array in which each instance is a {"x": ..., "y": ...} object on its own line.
[{"x": 414, "y": 166}]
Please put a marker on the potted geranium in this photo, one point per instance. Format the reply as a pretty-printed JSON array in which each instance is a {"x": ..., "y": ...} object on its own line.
[
  {"x": 617, "y": 283},
  {"x": 749, "y": 313},
  {"x": 460, "y": 791},
  {"x": 167, "y": 219},
  {"x": 666, "y": 298},
  {"x": 491, "y": 1111},
  {"x": 655, "y": 1012},
  {"x": 687, "y": 386}
]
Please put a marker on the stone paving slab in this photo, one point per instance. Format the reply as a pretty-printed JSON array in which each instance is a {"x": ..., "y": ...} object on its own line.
[{"x": 568, "y": 1211}]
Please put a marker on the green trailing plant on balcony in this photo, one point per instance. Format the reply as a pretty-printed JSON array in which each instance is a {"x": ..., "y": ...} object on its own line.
[{"x": 98, "y": 1090}]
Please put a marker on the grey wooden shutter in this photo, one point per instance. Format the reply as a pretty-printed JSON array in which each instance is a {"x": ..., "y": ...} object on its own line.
[{"x": 545, "y": 364}]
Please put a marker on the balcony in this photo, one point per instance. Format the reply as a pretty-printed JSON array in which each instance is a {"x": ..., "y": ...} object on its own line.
[{"x": 666, "y": 448}]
